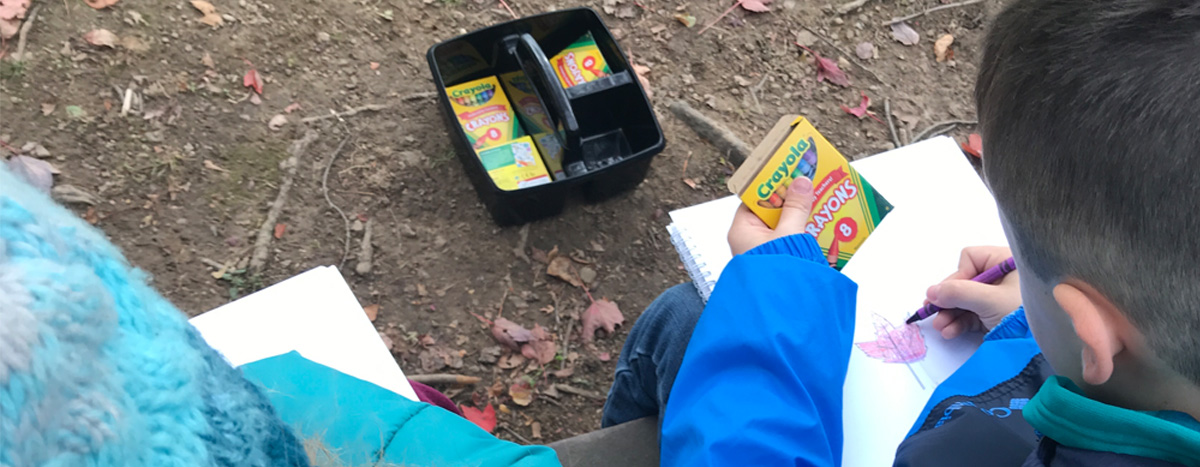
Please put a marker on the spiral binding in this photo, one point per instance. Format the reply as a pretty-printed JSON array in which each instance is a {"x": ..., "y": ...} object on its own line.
[{"x": 697, "y": 269}]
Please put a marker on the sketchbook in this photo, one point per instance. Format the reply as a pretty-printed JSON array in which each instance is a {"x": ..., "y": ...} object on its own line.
[
  {"x": 314, "y": 313},
  {"x": 941, "y": 207}
]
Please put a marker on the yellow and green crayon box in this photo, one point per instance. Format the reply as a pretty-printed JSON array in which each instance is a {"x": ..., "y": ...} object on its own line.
[
  {"x": 514, "y": 165},
  {"x": 580, "y": 62},
  {"x": 537, "y": 122},
  {"x": 847, "y": 208},
  {"x": 484, "y": 112}
]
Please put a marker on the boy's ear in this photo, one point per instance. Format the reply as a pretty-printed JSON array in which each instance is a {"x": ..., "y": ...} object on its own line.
[{"x": 1096, "y": 322}]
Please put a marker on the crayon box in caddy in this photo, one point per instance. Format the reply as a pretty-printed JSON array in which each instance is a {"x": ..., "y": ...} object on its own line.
[
  {"x": 600, "y": 134},
  {"x": 847, "y": 208}
]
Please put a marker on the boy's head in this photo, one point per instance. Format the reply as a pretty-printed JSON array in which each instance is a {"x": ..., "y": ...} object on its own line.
[{"x": 1090, "y": 116}]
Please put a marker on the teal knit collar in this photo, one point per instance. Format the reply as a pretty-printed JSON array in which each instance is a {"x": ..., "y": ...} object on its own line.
[{"x": 1061, "y": 411}]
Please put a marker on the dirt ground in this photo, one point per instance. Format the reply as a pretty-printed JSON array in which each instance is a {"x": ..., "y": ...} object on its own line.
[{"x": 184, "y": 181}]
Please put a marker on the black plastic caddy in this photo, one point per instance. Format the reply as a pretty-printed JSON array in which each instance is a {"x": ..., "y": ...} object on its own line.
[{"x": 606, "y": 128}]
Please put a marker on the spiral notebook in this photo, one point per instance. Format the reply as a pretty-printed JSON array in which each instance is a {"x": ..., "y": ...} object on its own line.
[{"x": 941, "y": 207}]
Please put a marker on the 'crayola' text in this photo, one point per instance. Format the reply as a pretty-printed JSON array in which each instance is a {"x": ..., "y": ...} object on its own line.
[{"x": 784, "y": 170}]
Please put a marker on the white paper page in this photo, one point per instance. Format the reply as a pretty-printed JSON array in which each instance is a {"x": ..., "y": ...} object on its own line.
[
  {"x": 314, "y": 313},
  {"x": 941, "y": 207},
  {"x": 705, "y": 227}
]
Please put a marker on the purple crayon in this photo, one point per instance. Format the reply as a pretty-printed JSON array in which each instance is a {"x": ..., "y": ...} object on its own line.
[{"x": 991, "y": 276}]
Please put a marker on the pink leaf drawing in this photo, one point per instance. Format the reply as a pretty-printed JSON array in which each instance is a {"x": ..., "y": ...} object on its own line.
[{"x": 895, "y": 344}]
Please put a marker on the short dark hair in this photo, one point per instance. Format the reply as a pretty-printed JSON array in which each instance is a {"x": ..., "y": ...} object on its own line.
[{"x": 1090, "y": 117}]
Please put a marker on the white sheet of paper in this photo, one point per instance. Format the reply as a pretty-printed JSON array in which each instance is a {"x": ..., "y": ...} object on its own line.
[
  {"x": 314, "y": 313},
  {"x": 941, "y": 207}
]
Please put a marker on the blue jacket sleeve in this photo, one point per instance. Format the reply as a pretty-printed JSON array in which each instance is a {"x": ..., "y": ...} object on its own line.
[{"x": 761, "y": 381}]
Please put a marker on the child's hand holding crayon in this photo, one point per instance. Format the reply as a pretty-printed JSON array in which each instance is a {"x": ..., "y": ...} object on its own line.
[
  {"x": 748, "y": 231},
  {"x": 974, "y": 306}
]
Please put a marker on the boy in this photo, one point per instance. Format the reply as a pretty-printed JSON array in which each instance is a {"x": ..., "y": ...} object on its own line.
[{"x": 1092, "y": 151}]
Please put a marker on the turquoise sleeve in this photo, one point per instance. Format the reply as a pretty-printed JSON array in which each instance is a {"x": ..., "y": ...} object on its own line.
[{"x": 362, "y": 423}]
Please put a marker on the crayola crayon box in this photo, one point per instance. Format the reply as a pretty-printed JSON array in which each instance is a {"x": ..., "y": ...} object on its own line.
[
  {"x": 537, "y": 123},
  {"x": 847, "y": 207},
  {"x": 580, "y": 62},
  {"x": 484, "y": 112},
  {"x": 515, "y": 164}
]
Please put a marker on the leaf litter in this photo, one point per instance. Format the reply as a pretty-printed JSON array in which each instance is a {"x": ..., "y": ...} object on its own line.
[
  {"x": 36, "y": 172},
  {"x": 827, "y": 69},
  {"x": 905, "y": 34},
  {"x": 602, "y": 314},
  {"x": 485, "y": 418},
  {"x": 101, "y": 38},
  {"x": 941, "y": 48}
]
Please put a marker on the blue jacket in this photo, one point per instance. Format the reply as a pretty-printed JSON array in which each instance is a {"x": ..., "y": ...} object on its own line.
[{"x": 761, "y": 384}]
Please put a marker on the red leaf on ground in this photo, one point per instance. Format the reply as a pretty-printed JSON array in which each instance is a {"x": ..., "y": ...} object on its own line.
[
  {"x": 602, "y": 314},
  {"x": 485, "y": 418},
  {"x": 861, "y": 110},
  {"x": 510, "y": 334},
  {"x": 253, "y": 80},
  {"x": 279, "y": 230},
  {"x": 828, "y": 69},
  {"x": 521, "y": 393},
  {"x": 974, "y": 145},
  {"x": 757, "y": 6}
]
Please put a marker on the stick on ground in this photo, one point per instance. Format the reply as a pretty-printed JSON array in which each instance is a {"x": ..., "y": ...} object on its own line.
[
  {"x": 262, "y": 241},
  {"x": 579, "y": 392},
  {"x": 20, "y": 53},
  {"x": 931, "y": 10},
  {"x": 366, "y": 253},
  {"x": 850, "y": 6},
  {"x": 713, "y": 131},
  {"x": 325, "y": 191},
  {"x": 952, "y": 123},
  {"x": 839, "y": 50},
  {"x": 444, "y": 378},
  {"x": 887, "y": 112}
]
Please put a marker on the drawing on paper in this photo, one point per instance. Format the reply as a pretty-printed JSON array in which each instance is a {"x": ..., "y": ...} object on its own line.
[{"x": 894, "y": 344}]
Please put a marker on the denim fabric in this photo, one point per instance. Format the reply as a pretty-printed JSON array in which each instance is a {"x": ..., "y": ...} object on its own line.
[{"x": 652, "y": 355}]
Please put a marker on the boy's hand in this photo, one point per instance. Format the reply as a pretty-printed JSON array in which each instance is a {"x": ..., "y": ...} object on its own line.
[
  {"x": 974, "y": 306},
  {"x": 748, "y": 231}
]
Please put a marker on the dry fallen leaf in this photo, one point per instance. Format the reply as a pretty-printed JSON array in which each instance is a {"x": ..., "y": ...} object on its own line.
[
  {"x": 36, "y": 172},
  {"x": 291, "y": 108},
  {"x": 13, "y": 9},
  {"x": 279, "y": 230},
  {"x": 48, "y": 108},
  {"x": 253, "y": 80},
  {"x": 865, "y": 50},
  {"x": 905, "y": 34},
  {"x": 941, "y": 46},
  {"x": 277, "y": 122},
  {"x": 374, "y": 65},
  {"x": 828, "y": 69},
  {"x": 521, "y": 393},
  {"x": 563, "y": 373},
  {"x": 485, "y": 418},
  {"x": 134, "y": 44},
  {"x": 209, "y": 11},
  {"x": 757, "y": 6},
  {"x": 101, "y": 38},
  {"x": 602, "y": 314},
  {"x": 510, "y": 334},
  {"x": 542, "y": 348},
  {"x": 207, "y": 61},
  {"x": 687, "y": 20},
  {"x": 861, "y": 110},
  {"x": 563, "y": 268},
  {"x": 536, "y": 427},
  {"x": 510, "y": 361},
  {"x": 372, "y": 311},
  {"x": 641, "y": 71},
  {"x": 210, "y": 165},
  {"x": 100, "y": 4}
]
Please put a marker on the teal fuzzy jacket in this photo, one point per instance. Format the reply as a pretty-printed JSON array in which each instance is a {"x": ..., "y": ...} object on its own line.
[{"x": 97, "y": 369}]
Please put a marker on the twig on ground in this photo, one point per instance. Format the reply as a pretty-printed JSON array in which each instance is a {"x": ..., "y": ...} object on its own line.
[
  {"x": 931, "y": 10},
  {"x": 325, "y": 191},
  {"x": 262, "y": 241},
  {"x": 850, "y": 6},
  {"x": 713, "y": 131},
  {"x": 366, "y": 252},
  {"x": 368, "y": 108},
  {"x": 514, "y": 433},
  {"x": 444, "y": 378},
  {"x": 905, "y": 136},
  {"x": 566, "y": 343},
  {"x": 212, "y": 263},
  {"x": 579, "y": 392},
  {"x": 929, "y": 130},
  {"x": 522, "y": 240},
  {"x": 20, "y": 53},
  {"x": 500, "y": 307},
  {"x": 887, "y": 112},
  {"x": 755, "y": 89},
  {"x": 839, "y": 50}
]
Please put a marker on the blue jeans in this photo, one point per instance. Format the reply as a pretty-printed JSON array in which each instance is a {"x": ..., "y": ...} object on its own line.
[{"x": 651, "y": 357}]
